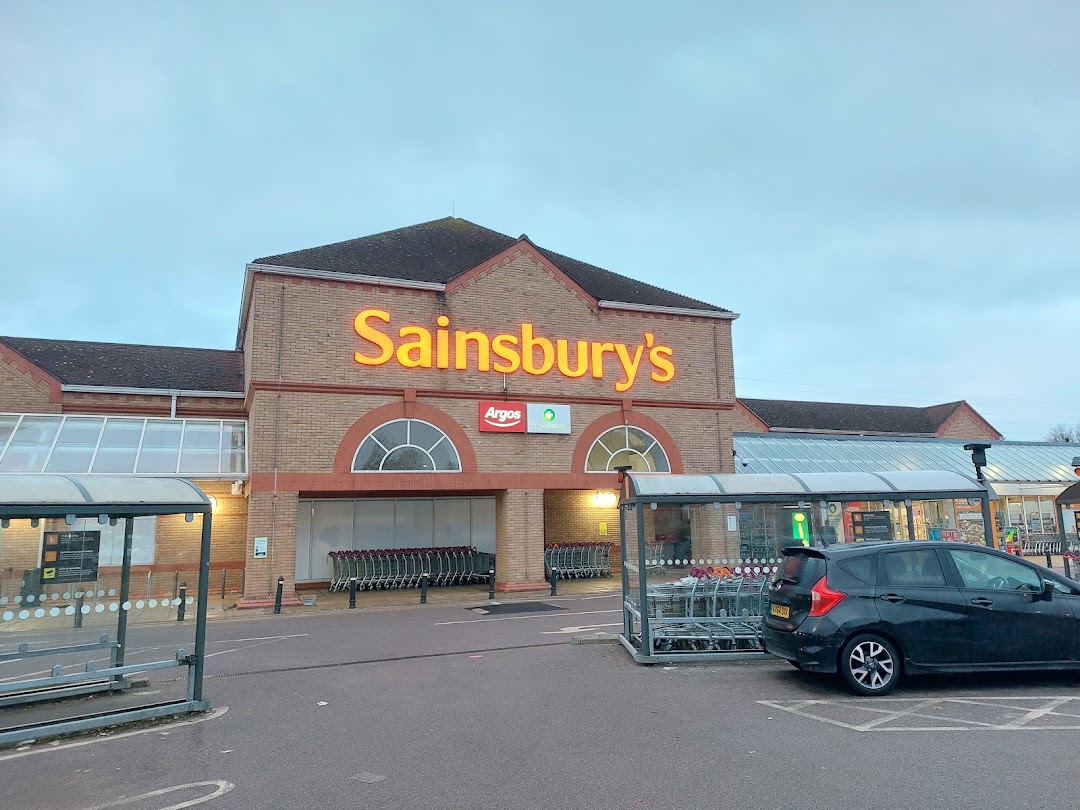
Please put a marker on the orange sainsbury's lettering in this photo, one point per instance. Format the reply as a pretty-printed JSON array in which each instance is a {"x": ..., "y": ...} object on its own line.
[{"x": 535, "y": 354}]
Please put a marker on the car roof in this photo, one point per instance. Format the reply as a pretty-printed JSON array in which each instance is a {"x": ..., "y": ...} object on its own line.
[{"x": 845, "y": 549}]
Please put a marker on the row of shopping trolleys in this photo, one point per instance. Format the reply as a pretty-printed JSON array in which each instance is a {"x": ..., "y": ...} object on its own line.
[
  {"x": 578, "y": 560},
  {"x": 388, "y": 569}
]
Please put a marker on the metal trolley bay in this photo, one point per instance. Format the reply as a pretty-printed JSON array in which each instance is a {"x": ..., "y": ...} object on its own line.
[{"x": 385, "y": 569}]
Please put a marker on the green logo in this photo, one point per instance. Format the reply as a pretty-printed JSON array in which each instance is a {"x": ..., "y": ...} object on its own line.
[{"x": 549, "y": 415}]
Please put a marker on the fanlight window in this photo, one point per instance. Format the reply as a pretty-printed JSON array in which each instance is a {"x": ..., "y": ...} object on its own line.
[
  {"x": 627, "y": 446},
  {"x": 407, "y": 445}
]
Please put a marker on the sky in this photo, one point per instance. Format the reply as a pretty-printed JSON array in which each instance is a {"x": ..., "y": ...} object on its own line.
[{"x": 887, "y": 193}]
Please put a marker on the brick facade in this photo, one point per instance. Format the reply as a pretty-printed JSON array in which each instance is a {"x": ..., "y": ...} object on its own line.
[{"x": 309, "y": 399}]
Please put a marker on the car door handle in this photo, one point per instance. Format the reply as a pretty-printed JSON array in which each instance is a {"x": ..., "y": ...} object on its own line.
[
  {"x": 982, "y": 601},
  {"x": 891, "y": 597}
]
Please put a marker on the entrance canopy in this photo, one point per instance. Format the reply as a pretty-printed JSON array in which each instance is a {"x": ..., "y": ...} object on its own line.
[
  {"x": 33, "y": 495},
  {"x": 897, "y": 486}
]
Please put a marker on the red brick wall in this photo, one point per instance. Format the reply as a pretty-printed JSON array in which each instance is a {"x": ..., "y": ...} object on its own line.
[
  {"x": 298, "y": 425},
  {"x": 964, "y": 425},
  {"x": 21, "y": 391}
]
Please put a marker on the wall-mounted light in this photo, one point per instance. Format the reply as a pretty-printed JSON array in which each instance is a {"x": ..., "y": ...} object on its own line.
[
  {"x": 605, "y": 499},
  {"x": 213, "y": 503}
]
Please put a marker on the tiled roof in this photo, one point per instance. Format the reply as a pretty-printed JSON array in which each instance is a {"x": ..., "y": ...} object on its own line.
[
  {"x": 122, "y": 365},
  {"x": 843, "y": 417},
  {"x": 439, "y": 251}
]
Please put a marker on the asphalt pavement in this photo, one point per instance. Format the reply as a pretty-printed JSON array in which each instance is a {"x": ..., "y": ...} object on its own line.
[{"x": 442, "y": 707}]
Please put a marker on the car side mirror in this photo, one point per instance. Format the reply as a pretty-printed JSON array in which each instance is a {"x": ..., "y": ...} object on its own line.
[{"x": 1048, "y": 590}]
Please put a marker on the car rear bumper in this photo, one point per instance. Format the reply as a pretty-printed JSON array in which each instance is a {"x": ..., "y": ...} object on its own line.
[{"x": 812, "y": 653}]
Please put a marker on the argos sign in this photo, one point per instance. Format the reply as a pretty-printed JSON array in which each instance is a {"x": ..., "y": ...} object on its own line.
[
  {"x": 420, "y": 347},
  {"x": 502, "y": 417}
]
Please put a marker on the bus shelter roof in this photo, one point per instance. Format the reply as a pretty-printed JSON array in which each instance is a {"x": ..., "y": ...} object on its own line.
[
  {"x": 36, "y": 495},
  {"x": 854, "y": 486}
]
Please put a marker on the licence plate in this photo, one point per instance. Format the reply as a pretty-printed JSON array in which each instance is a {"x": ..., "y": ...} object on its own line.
[{"x": 783, "y": 611}]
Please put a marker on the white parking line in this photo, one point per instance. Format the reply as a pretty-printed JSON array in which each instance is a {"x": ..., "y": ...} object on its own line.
[
  {"x": 213, "y": 714},
  {"x": 946, "y": 712},
  {"x": 222, "y": 786}
]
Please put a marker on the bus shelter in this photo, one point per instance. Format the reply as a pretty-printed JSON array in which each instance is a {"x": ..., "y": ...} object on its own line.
[
  {"x": 699, "y": 551},
  {"x": 75, "y": 623}
]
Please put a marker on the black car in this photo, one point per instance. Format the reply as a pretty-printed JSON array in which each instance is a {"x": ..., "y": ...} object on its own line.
[{"x": 879, "y": 611}]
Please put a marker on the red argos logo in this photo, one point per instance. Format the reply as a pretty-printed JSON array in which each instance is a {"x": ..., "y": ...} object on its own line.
[{"x": 502, "y": 417}]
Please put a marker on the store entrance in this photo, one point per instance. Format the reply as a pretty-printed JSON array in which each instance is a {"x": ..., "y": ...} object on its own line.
[{"x": 368, "y": 524}]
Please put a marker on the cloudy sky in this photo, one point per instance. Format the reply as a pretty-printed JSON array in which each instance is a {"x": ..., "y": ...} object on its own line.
[{"x": 889, "y": 193}]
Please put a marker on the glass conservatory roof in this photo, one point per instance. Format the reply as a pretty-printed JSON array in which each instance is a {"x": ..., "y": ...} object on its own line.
[
  {"x": 123, "y": 445},
  {"x": 1007, "y": 462}
]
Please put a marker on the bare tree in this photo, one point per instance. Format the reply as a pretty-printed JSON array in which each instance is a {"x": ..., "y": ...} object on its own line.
[{"x": 1063, "y": 434}]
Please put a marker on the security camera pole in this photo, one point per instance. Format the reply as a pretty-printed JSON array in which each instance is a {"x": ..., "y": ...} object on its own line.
[{"x": 978, "y": 459}]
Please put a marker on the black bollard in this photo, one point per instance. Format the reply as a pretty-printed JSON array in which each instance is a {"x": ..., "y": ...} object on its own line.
[
  {"x": 554, "y": 582},
  {"x": 1049, "y": 562},
  {"x": 352, "y": 593},
  {"x": 277, "y": 599},
  {"x": 78, "y": 610},
  {"x": 423, "y": 588},
  {"x": 491, "y": 583},
  {"x": 181, "y": 609}
]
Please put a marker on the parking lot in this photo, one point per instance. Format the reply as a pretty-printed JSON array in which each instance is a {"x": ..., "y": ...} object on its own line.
[{"x": 443, "y": 706}]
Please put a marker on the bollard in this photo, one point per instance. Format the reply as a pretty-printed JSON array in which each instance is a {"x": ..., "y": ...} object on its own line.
[
  {"x": 1049, "y": 562},
  {"x": 78, "y": 610},
  {"x": 423, "y": 589},
  {"x": 277, "y": 598},
  {"x": 491, "y": 583},
  {"x": 352, "y": 593},
  {"x": 554, "y": 582},
  {"x": 181, "y": 609},
  {"x": 224, "y": 573}
]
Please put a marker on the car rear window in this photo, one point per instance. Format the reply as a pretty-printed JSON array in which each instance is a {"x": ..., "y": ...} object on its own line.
[
  {"x": 801, "y": 569},
  {"x": 861, "y": 568}
]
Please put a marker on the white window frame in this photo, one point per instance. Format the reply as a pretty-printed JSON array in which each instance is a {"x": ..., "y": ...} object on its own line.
[
  {"x": 408, "y": 443},
  {"x": 626, "y": 448}
]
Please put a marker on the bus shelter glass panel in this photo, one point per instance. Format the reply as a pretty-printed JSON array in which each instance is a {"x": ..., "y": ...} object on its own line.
[{"x": 70, "y": 621}]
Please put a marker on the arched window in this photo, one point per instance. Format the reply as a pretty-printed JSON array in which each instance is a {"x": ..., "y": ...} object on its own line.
[
  {"x": 626, "y": 445},
  {"x": 406, "y": 445}
]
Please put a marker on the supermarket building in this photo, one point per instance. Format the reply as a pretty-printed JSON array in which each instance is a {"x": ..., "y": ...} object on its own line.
[
  {"x": 437, "y": 385},
  {"x": 379, "y": 397}
]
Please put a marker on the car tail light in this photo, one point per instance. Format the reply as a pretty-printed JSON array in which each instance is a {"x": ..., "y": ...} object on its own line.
[{"x": 823, "y": 598}]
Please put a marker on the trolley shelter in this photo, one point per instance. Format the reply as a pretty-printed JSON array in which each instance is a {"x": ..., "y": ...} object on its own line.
[
  {"x": 74, "y": 621},
  {"x": 699, "y": 551}
]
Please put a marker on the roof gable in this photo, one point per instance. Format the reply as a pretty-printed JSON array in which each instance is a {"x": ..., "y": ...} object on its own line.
[
  {"x": 122, "y": 365},
  {"x": 444, "y": 249}
]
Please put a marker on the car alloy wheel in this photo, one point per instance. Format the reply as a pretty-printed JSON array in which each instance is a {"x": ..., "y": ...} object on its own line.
[{"x": 870, "y": 665}]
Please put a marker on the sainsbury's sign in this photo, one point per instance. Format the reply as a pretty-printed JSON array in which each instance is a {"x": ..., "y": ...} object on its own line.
[{"x": 524, "y": 350}]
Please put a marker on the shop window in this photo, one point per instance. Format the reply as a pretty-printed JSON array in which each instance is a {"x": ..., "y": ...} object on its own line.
[
  {"x": 627, "y": 446},
  {"x": 406, "y": 445}
]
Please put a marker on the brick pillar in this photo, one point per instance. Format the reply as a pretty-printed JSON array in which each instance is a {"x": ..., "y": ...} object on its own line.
[
  {"x": 272, "y": 516},
  {"x": 519, "y": 540}
]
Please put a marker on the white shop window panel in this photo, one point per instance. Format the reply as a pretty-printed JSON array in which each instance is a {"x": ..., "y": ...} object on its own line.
[{"x": 123, "y": 445}]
